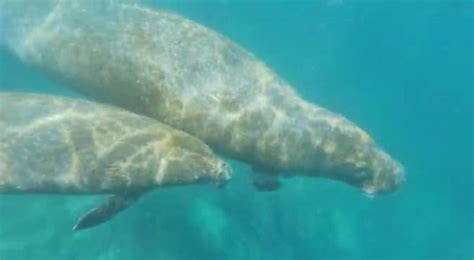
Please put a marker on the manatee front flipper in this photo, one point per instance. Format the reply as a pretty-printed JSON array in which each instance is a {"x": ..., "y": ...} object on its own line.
[
  {"x": 106, "y": 210},
  {"x": 265, "y": 180}
]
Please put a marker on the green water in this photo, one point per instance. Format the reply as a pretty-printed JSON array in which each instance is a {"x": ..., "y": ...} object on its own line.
[{"x": 402, "y": 70}]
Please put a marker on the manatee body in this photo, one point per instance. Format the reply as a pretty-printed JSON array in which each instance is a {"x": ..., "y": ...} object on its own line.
[
  {"x": 167, "y": 67},
  {"x": 64, "y": 146}
]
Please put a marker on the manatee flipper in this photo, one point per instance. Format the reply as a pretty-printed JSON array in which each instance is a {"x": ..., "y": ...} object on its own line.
[
  {"x": 106, "y": 210},
  {"x": 265, "y": 180}
]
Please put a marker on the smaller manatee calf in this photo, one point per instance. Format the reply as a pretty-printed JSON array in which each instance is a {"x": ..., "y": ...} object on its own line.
[{"x": 64, "y": 146}]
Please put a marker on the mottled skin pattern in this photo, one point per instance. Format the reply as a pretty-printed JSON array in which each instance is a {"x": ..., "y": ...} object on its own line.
[
  {"x": 170, "y": 68},
  {"x": 58, "y": 145}
]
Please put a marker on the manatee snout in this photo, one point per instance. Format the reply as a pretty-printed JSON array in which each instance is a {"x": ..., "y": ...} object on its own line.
[
  {"x": 223, "y": 174},
  {"x": 399, "y": 178},
  {"x": 387, "y": 176}
]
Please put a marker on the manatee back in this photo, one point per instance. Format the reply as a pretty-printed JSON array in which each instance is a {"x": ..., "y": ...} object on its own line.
[{"x": 152, "y": 62}]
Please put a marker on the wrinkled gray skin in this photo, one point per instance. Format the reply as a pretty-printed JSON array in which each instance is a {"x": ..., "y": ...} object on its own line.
[
  {"x": 170, "y": 68},
  {"x": 64, "y": 146}
]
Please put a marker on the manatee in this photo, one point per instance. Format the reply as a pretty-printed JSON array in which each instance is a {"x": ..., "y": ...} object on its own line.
[
  {"x": 170, "y": 68},
  {"x": 57, "y": 145}
]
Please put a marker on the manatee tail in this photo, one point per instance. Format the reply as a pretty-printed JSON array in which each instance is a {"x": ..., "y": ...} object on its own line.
[{"x": 106, "y": 210}]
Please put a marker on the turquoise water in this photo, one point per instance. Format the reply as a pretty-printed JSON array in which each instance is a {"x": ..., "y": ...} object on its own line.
[{"x": 402, "y": 70}]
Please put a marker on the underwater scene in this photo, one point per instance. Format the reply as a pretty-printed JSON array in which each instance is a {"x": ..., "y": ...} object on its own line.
[{"x": 236, "y": 129}]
